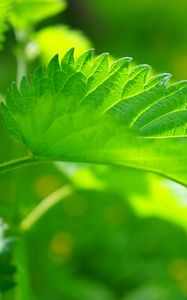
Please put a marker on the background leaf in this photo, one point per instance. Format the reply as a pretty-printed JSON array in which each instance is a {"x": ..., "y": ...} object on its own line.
[
  {"x": 61, "y": 37},
  {"x": 4, "y": 8},
  {"x": 25, "y": 13}
]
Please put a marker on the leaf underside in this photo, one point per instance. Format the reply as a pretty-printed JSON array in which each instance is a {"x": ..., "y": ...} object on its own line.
[{"x": 90, "y": 111}]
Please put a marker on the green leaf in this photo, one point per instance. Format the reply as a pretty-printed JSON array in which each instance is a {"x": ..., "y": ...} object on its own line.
[
  {"x": 88, "y": 111},
  {"x": 25, "y": 13}
]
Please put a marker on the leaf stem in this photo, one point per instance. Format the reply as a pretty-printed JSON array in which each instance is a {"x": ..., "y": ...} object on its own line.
[
  {"x": 47, "y": 203},
  {"x": 16, "y": 163}
]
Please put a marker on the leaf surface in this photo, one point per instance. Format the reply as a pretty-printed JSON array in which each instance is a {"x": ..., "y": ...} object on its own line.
[{"x": 86, "y": 110}]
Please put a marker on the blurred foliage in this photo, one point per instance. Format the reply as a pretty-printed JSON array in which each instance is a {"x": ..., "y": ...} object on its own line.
[
  {"x": 7, "y": 270},
  {"x": 4, "y": 7},
  {"x": 61, "y": 40},
  {"x": 122, "y": 234},
  {"x": 151, "y": 31},
  {"x": 25, "y": 13},
  {"x": 95, "y": 247},
  {"x": 148, "y": 195}
]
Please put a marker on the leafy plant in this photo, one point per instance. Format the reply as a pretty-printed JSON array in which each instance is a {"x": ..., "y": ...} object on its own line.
[
  {"x": 89, "y": 111},
  {"x": 82, "y": 108}
]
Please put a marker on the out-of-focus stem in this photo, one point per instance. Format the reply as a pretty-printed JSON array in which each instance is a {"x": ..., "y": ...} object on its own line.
[
  {"x": 44, "y": 206},
  {"x": 21, "y": 37}
]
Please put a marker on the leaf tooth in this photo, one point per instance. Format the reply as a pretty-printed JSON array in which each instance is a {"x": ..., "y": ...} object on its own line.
[
  {"x": 68, "y": 62},
  {"x": 99, "y": 71},
  {"x": 26, "y": 93},
  {"x": 38, "y": 75},
  {"x": 55, "y": 75},
  {"x": 139, "y": 69},
  {"x": 176, "y": 86},
  {"x": 136, "y": 81},
  {"x": 9, "y": 100},
  {"x": 124, "y": 61},
  {"x": 14, "y": 90},
  {"x": 60, "y": 79},
  {"x": 16, "y": 98},
  {"x": 160, "y": 79},
  {"x": 101, "y": 60},
  {"x": 25, "y": 87},
  {"x": 84, "y": 61},
  {"x": 37, "y": 78},
  {"x": 108, "y": 92},
  {"x": 73, "y": 92},
  {"x": 53, "y": 66}
]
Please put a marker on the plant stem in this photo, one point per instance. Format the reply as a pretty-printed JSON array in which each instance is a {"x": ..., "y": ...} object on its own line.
[
  {"x": 21, "y": 68},
  {"x": 44, "y": 206},
  {"x": 16, "y": 163},
  {"x": 21, "y": 37}
]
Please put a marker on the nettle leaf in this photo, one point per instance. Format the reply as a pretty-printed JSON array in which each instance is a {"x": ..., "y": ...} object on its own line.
[
  {"x": 87, "y": 110},
  {"x": 25, "y": 13}
]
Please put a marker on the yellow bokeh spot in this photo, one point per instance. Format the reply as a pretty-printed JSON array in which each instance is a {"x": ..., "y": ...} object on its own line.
[
  {"x": 75, "y": 207},
  {"x": 45, "y": 185},
  {"x": 61, "y": 246}
]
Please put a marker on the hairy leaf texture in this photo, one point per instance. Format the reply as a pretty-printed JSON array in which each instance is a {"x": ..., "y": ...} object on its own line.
[{"x": 87, "y": 110}]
